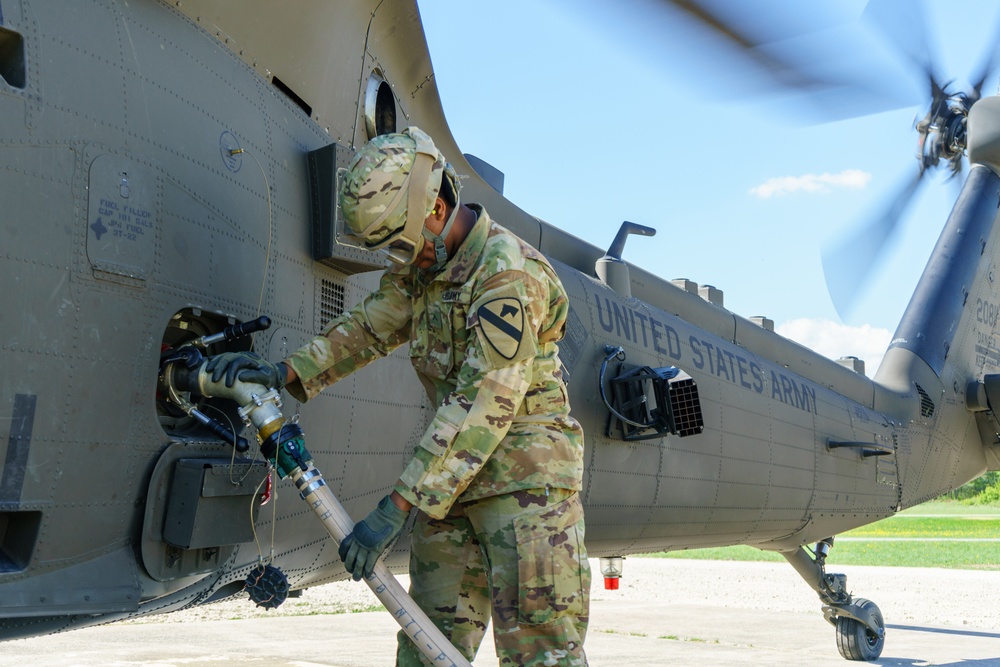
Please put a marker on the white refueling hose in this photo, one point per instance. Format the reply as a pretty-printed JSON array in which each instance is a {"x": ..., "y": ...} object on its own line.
[{"x": 261, "y": 408}]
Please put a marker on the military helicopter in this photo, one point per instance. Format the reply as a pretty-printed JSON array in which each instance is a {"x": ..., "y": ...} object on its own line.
[{"x": 169, "y": 178}]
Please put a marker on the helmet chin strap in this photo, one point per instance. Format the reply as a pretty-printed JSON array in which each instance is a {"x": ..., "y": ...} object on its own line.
[{"x": 440, "y": 251}]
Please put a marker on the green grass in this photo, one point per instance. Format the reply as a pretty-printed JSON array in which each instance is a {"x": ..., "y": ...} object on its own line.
[
  {"x": 921, "y": 527},
  {"x": 938, "y": 534},
  {"x": 951, "y": 508}
]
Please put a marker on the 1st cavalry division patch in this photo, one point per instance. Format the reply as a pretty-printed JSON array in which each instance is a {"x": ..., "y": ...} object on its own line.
[{"x": 502, "y": 322}]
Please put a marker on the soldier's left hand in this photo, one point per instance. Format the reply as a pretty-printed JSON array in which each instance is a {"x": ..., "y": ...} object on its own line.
[{"x": 371, "y": 537}]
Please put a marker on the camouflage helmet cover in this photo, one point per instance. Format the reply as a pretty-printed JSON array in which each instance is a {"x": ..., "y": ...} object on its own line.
[{"x": 375, "y": 194}]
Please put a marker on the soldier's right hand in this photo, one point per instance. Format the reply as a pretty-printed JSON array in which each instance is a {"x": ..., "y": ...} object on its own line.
[{"x": 246, "y": 367}]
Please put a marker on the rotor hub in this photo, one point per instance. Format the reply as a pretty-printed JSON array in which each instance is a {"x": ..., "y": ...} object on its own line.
[{"x": 943, "y": 132}]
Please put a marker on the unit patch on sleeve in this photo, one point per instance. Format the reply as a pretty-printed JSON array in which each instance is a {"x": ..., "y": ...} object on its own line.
[{"x": 502, "y": 323}]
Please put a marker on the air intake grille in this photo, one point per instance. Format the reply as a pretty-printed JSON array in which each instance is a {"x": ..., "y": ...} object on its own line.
[
  {"x": 331, "y": 301},
  {"x": 926, "y": 404},
  {"x": 686, "y": 407}
]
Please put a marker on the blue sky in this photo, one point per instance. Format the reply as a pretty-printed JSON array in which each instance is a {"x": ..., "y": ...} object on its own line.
[{"x": 592, "y": 126}]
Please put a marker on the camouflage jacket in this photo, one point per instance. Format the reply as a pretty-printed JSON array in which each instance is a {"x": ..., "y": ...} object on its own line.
[{"x": 482, "y": 334}]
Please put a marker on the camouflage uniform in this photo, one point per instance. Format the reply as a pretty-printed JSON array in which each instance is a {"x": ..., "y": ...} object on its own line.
[{"x": 497, "y": 472}]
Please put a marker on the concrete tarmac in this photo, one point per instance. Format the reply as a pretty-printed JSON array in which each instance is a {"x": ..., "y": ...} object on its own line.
[{"x": 668, "y": 612}]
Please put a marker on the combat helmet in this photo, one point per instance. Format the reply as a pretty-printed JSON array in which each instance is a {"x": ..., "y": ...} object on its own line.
[{"x": 388, "y": 191}]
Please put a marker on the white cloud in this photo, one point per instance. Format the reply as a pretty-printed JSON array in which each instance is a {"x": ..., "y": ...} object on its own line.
[
  {"x": 835, "y": 340},
  {"x": 849, "y": 178}
]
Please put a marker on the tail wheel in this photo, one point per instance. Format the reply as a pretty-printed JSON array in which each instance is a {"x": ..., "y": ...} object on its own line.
[{"x": 855, "y": 640}]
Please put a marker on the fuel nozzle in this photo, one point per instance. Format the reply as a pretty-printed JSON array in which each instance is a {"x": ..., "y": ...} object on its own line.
[
  {"x": 177, "y": 368},
  {"x": 285, "y": 447},
  {"x": 281, "y": 440}
]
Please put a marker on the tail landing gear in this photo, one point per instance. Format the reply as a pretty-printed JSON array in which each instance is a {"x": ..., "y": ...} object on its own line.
[
  {"x": 858, "y": 622},
  {"x": 855, "y": 639}
]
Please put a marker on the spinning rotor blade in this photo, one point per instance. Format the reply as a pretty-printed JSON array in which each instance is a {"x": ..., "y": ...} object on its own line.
[
  {"x": 804, "y": 59},
  {"x": 941, "y": 142},
  {"x": 989, "y": 65},
  {"x": 847, "y": 266},
  {"x": 747, "y": 37},
  {"x": 814, "y": 53},
  {"x": 903, "y": 24}
]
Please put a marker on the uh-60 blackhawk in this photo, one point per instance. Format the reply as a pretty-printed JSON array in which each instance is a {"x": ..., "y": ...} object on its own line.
[{"x": 168, "y": 177}]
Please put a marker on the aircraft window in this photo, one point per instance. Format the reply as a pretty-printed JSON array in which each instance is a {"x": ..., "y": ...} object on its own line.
[
  {"x": 380, "y": 106},
  {"x": 12, "y": 67}
]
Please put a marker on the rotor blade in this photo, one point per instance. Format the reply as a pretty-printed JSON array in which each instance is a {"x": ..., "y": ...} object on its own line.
[
  {"x": 989, "y": 64},
  {"x": 903, "y": 23},
  {"x": 847, "y": 266},
  {"x": 808, "y": 62},
  {"x": 810, "y": 54},
  {"x": 748, "y": 35}
]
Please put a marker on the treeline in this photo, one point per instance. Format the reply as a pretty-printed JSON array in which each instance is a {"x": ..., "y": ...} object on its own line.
[{"x": 983, "y": 490}]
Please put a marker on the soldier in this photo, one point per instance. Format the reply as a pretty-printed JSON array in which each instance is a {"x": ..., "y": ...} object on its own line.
[{"x": 496, "y": 475}]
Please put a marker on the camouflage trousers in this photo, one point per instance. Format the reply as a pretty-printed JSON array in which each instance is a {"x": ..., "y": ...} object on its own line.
[{"x": 527, "y": 548}]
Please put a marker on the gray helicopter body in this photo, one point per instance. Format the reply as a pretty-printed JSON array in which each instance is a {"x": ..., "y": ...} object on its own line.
[{"x": 167, "y": 170}]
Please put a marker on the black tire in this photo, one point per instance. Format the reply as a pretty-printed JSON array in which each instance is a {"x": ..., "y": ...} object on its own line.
[{"x": 854, "y": 640}]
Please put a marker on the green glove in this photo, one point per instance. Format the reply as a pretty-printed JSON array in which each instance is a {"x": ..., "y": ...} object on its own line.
[
  {"x": 247, "y": 367},
  {"x": 371, "y": 537}
]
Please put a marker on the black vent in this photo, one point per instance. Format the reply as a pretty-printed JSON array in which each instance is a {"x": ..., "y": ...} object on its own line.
[
  {"x": 926, "y": 404},
  {"x": 331, "y": 301},
  {"x": 686, "y": 406},
  {"x": 652, "y": 402},
  {"x": 292, "y": 95}
]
